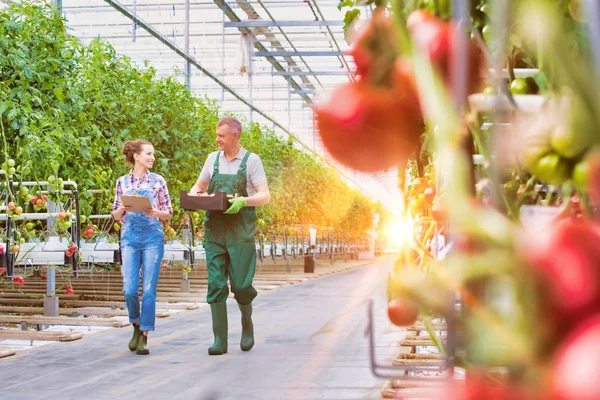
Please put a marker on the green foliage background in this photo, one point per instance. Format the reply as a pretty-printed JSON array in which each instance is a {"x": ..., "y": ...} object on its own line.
[{"x": 66, "y": 110}]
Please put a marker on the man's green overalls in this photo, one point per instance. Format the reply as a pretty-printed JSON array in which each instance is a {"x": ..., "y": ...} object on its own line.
[{"x": 230, "y": 251}]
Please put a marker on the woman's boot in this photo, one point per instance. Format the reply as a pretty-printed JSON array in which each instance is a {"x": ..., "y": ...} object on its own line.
[
  {"x": 134, "y": 340},
  {"x": 219, "y": 323},
  {"x": 141, "y": 345}
]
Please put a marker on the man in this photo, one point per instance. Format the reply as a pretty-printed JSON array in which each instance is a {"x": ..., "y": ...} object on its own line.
[{"x": 229, "y": 235}]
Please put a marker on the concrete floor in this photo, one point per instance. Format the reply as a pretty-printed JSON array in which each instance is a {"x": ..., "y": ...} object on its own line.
[{"x": 310, "y": 344}]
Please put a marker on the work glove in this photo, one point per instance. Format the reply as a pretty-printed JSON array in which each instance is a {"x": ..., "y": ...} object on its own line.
[{"x": 236, "y": 205}]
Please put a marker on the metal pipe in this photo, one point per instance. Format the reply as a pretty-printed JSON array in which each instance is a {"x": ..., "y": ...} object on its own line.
[
  {"x": 333, "y": 37},
  {"x": 186, "y": 35},
  {"x": 287, "y": 38}
]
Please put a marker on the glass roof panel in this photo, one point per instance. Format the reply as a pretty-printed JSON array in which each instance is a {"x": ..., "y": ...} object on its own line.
[{"x": 294, "y": 50}]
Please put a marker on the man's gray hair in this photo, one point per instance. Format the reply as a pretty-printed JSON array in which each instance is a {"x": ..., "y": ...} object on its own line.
[{"x": 233, "y": 123}]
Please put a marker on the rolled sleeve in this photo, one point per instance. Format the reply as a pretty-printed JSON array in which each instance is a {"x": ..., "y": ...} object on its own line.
[
  {"x": 164, "y": 200},
  {"x": 118, "y": 193}
]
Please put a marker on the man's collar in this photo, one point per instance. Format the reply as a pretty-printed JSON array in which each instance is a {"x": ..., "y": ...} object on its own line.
[{"x": 239, "y": 155}]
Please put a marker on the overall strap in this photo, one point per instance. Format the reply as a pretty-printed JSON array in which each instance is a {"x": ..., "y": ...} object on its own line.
[
  {"x": 126, "y": 182},
  {"x": 242, "y": 168},
  {"x": 151, "y": 180},
  {"x": 216, "y": 164}
]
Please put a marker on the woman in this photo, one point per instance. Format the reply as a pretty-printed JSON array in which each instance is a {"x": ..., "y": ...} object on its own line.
[{"x": 142, "y": 238}]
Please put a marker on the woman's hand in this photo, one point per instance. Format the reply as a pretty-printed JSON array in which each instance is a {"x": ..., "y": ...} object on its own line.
[
  {"x": 156, "y": 213},
  {"x": 119, "y": 212}
]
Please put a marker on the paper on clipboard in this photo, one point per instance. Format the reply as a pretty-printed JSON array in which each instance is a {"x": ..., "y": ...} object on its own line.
[{"x": 137, "y": 203}]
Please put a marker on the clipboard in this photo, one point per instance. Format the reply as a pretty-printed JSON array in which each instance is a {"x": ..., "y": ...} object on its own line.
[{"x": 137, "y": 203}]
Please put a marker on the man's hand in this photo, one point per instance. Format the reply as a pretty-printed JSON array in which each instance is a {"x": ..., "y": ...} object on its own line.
[{"x": 236, "y": 205}]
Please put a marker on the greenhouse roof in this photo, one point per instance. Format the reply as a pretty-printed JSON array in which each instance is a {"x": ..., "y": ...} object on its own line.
[{"x": 265, "y": 59}]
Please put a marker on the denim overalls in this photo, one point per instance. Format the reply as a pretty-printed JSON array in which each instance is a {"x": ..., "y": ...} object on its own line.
[{"x": 142, "y": 243}]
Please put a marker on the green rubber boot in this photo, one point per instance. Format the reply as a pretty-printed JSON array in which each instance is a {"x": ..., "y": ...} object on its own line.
[
  {"x": 247, "y": 341},
  {"x": 141, "y": 345},
  {"x": 219, "y": 322},
  {"x": 134, "y": 340}
]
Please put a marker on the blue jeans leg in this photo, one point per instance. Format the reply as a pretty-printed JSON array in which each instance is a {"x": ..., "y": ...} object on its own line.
[
  {"x": 130, "y": 269},
  {"x": 152, "y": 256}
]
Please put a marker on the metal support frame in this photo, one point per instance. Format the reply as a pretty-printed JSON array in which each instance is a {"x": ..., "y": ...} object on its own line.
[
  {"x": 186, "y": 35},
  {"x": 222, "y": 4},
  {"x": 316, "y": 73},
  {"x": 298, "y": 53},
  {"x": 269, "y": 37},
  {"x": 276, "y": 24},
  {"x": 276, "y": 65},
  {"x": 152, "y": 31}
]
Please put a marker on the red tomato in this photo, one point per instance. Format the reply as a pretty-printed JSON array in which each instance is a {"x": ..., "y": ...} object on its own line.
[
  {"x": 437, "y": 39},
  {"x": 402, "y": 312},
  {"x": 18, "y": 280},
  {"x": 369, "y": 128},
  {"x": 567, "y": 261},
  {"x": 374, "y": 46},
  {"x": 575, "y": 368},
  {"x": 429, "y": 194},
  {"x": 417, "y": 17}
]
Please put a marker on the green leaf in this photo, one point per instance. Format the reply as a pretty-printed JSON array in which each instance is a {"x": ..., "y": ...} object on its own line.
[
  {"x": 350, "y": 17},
  {"x": 59, "y": 94}
]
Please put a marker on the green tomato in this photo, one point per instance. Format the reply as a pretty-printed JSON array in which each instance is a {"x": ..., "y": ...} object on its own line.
[
  {"x": 580, "y": 174},
  {"x": 82, "y": 219},
  {"x": 519, "y": 86},
  {"x": 552, "y": 169},
  {"x": 486, "y": 32},
  {"x": 51, "y": 179},
  {"x": 486, "y": 9},
  {"x": 11, "y": 162},
  {"x": 29, "y": 226},
  {"x": 489, "y": 90},
  {"x": 23, "y": 191},
  {"x": 510, "y": 188},
  {"x": 11, "y": 171},
  {"x": 116, "y": 227}
]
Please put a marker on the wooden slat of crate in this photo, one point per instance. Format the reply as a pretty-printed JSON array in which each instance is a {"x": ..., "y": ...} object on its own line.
[
  {"x": 93, "y": 303},
  {"x": 6, "y": 352},
  {"x": 421, "y": 327},
  {"x": 177, "y": 297},
  {"x": 42, "y": 320},
  {"x": 417, "y": 360},
  {"x": 412, "y": 390},
  {"x": 36, "y": 335},
  {"x": 107, "y": 312},
  {"x": 411, "y": 341}
]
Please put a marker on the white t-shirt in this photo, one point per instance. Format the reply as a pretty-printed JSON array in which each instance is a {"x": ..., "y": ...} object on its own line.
[{"x": 255, "y": 172}]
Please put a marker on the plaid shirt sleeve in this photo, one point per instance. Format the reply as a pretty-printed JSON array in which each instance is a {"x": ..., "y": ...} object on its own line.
[
  {"x": 119, "y": 192},
  {"x": 164, "y": 200}
]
